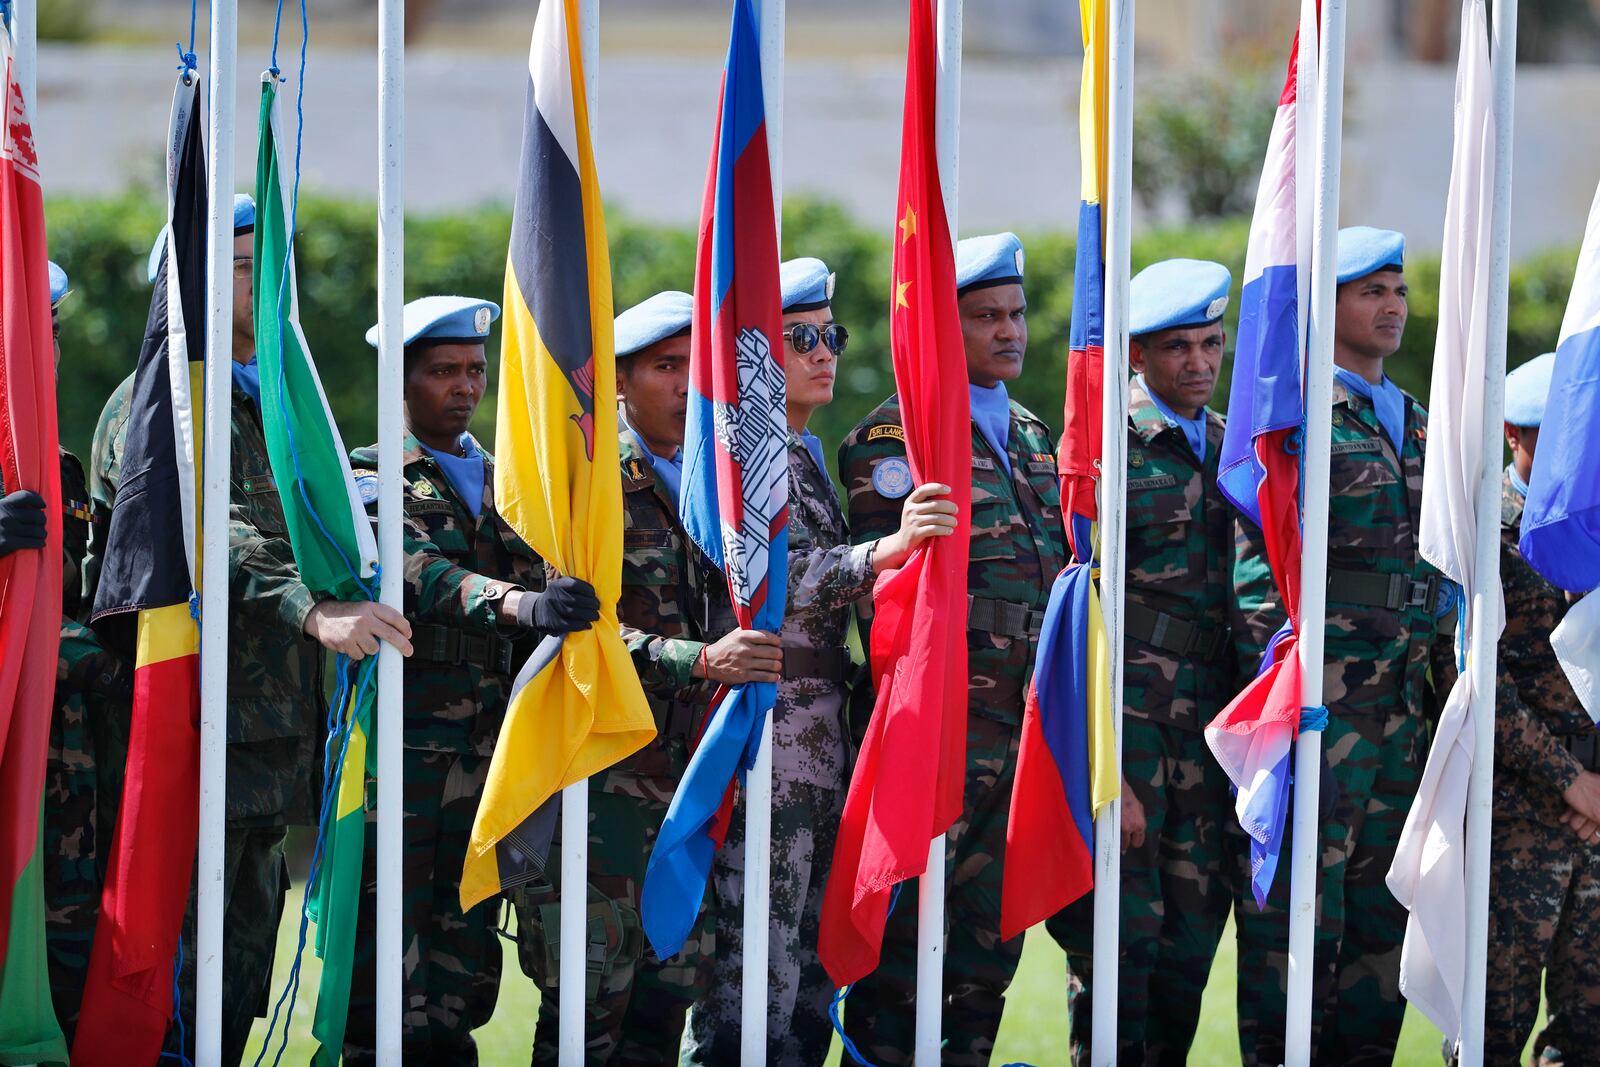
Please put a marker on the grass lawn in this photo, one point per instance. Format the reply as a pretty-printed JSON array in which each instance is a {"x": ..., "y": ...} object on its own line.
[{"x": 1033, "y": 1030}]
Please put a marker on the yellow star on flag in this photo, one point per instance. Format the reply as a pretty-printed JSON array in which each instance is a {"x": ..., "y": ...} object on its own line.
[
  {"x": 908, "y": 225},
  {"x": 900, "y": 294}
]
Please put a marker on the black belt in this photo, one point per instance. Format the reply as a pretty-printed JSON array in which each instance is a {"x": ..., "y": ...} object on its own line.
[
  {"x": 446, "y": 644},
  {"x": 1396, "y": 592},
  {"x": 1584, "y": 746},
  {"x": 1192, "y": 640},
  {"x": 827, "y": 664},
  {"x": 1007, "y": 618}
]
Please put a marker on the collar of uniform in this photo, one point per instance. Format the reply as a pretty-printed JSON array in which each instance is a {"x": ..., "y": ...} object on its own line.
[
  {"x": 1511, "y": 503},
  {"x": 1149, "y": 423},
  {"x": 635, "y": 464},
  {"x": 412, "y": 452}
]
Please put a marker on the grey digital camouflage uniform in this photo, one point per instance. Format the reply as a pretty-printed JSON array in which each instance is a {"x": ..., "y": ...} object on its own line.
[
  {"x": 636, "y": 1002},
  {"x": 826, "y": 576},
  {"x": 1177, "y": 887},
  {"x": 1017, "y": 549}
]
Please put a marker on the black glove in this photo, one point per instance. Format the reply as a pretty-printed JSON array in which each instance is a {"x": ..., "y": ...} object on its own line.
[
  {"x": 21, "y": 521},
  {"x": 566, "y": 605}
]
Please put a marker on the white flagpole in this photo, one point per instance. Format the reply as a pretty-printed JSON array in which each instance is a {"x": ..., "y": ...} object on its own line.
[
  {"x": 391, "y": 551},
  {"x": 573, "y": 962},
  {"x": 214, "y": 618},
  {"x": 1304, "y": 860},
  {"x": 1485, "y": 609},
  {"x": 931, "y": 886},
  {"x": 1113, "y": 516},
  {"x": 757, "y": 902}
]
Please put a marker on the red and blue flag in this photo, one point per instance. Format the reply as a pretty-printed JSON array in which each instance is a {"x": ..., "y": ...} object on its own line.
[{"x": 734, "y": 500}]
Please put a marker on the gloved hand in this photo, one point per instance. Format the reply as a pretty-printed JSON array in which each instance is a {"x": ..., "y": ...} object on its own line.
[
  {"x": 21, "y": 521},
  {"x": 565, "y": 606}
]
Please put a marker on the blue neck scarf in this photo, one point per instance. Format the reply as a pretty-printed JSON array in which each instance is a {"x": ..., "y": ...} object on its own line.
[
  {"x": 1387, "y": 401},
  {"x": 247, "y": 376},
  {"x": 1516, "y": 481},
  {"x": 669, "y": 472},
  {"x": 465, "y": 473},
  {"x": 1194, "y": 430},
  {"x": 991, "y": 411},
  {"x": 813, "y": 445}
]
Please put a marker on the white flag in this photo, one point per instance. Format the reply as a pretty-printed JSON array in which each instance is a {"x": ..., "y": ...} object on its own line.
[{"x": 1429, "y": 872}]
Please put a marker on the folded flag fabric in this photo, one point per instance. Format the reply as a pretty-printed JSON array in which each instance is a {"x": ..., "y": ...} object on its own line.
[
  {"x": 1067, "y": 764},
  {"x": 1259, "y": 471},
  {"x": 557, "y": 481},
  {"x": 1561, "y": 522},
  {"x": 734, "y": 497},
  {"x": 907, "y": 785},
  {"x": 151, "y": 571},
  {"x": 30, "y": 581}
]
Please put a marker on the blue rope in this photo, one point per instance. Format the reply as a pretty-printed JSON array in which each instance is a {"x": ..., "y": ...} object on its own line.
[
  {"x": 1313, "y": 719},
  {"x": 186, "y": 57},
  {"x": 182, "y": 1055},
  {"x": 1458, "y": 598},
  {"x": 836, "y": 1005}
]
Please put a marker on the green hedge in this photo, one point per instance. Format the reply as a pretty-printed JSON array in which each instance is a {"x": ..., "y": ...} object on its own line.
[{"x": 103, "y": 244}]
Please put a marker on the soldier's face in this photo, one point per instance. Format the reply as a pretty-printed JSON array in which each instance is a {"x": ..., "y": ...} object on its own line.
[
  {"x": 1370, "y": 314},
  {"x": 244, "y": 317},
  {"x": 808, "y": 378},
  {"x": 1522, "y": 440},
  {"x": 444, "y": 384},
  {"x": 994, "y": 327},
  {"x": 1180, "y": 366},
  {"x": 653, "y": 385}
]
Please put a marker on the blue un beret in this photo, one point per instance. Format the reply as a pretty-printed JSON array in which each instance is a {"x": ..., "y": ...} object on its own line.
[
  {"x": 807, "y": 284},
  {"x": 656, "y": 319},
  {"x": 1363, "y": 250},
  {"x": 444, "y": 320},
  {"x": 981, "y": 262},
  {"x": 58, "y": 285},
  {"x": 1526, "y": 390},
  {"x": 1177, "y": 293},
  {"x": 244, "y": 221}
]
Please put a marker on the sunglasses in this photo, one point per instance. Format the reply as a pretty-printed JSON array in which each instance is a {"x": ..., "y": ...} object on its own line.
[{"x": 805, "y": 335}]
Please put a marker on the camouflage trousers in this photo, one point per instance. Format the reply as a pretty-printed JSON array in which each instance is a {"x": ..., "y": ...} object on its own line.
[
  {"x": 1177, "y": 890},
  {"x": 1375, "y": 761},
  {"x": 635, "y": 1002},
  {"x": 805, "y": 821},
  {"x": 880, "y": 1011},
  {"x": 1544, "y": 921},
  {"x": 255, "y": 882},
  {"x": 71, "y": 856},
  {"x": 451, "y": 959}
]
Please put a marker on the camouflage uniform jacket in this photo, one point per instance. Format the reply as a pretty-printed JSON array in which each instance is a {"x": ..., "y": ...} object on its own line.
[
  {"x": 1179, "y": 553},
  {"x": 827, "y": 574},
  {"x": 667, "y": 586},
  {"x": 1537, "y": 709},
  {"x": 105, "y": 474},
  {"x": 1017, "y": 549},
  {"x": 1377, "y": 659},
  {"x": 85, "y": 666},
  {"x": 458, "y": 571},
  {"x": 275, "y": 699}
]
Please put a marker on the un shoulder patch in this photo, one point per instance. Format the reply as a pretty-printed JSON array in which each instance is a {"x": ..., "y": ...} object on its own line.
[
  {"x": 367, "y": 488},
  {"x": 895, "y": 432},
  {"x": 892, "y": 477}
]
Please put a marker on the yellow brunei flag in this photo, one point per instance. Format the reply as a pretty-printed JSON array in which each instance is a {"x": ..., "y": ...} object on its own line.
[{"x": 557, "y": 481}]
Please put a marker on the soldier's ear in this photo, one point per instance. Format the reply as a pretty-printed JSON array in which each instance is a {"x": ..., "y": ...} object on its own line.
[{"x": 1136, "y": 357}]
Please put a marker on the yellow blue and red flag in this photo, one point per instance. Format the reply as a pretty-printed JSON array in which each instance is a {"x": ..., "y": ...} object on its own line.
[
  {"x": 734, "y": 500},
  {"x": 557, "y": 482}
]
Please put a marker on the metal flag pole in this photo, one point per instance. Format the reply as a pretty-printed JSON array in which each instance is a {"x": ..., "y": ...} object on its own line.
[
  {"x": 1113, "y": 516},
  {"x": 572, "y": 976},
  {"x": 214, "y": 620},
  {"x": 1485, "y": 608},
  {"x": 931, "y": 886},
  {"x": 1306, "y": 839},
  {"x": 757, "y": 902},
  {"x": 391, "y": 550}
]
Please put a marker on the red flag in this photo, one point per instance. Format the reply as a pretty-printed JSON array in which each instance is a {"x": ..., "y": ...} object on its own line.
[
  {"x": 895, "y": 807},
  {"x": 30, "y": 581}
]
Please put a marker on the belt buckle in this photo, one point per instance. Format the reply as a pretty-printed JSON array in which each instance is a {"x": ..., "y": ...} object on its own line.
[{"x": 1424, "y": 594}]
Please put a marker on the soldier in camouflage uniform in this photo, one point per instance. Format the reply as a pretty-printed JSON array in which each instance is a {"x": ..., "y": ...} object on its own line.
[
  {"x": 673, "y": 602},
  {"x": 1387, "y": 617},
  {"x": 478, "y": 602},
  {"x": 1018, "y": 548},
  {"x": 1544, "y": 883},
  {"x": 1177, "y": 883},
  {"x": 809, "y": 757}
]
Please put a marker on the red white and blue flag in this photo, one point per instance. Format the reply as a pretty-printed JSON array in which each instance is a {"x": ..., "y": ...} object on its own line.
[
  {"x": 734, "y": 500},
  {"x": 1259, "y": 471}
]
